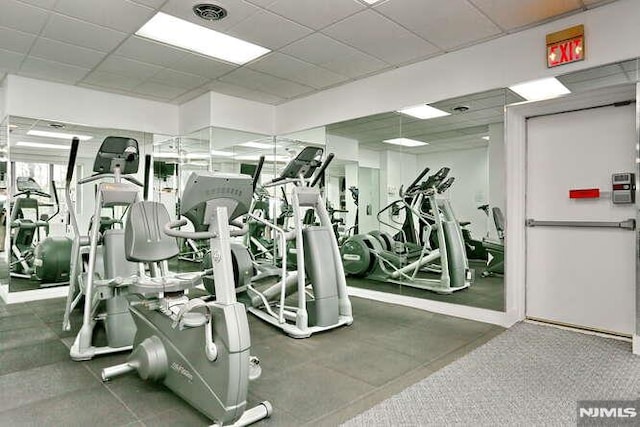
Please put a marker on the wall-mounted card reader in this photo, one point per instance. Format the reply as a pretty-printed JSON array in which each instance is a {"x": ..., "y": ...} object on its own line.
[{"x": 623, "y": 186}]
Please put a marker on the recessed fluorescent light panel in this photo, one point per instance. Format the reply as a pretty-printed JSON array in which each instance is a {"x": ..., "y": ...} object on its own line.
[
  {"x": 537, "y": 90},
  {"x": 184, "y": 34},
  {"x": 405, "y": 142},
  {"x": 423, "y": 112},
  {"x": 486, "y": 137},
  {"x": 258, "y": 145},
  {"x": 58, "y": 135},
  {"x": 370, "y": 1},
  {"x": 42, "y": 145}
]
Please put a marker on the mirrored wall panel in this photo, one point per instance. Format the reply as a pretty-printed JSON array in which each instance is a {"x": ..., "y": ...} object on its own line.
[
  {"x": 41, "y": 200},
  {"x": 428, "y": 203}
]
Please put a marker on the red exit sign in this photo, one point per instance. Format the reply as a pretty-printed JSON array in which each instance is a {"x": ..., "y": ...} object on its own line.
[{"x": 566, "y": 46}]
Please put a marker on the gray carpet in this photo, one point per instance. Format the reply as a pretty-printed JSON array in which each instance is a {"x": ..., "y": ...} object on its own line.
[{"x": 529, "y": 375}]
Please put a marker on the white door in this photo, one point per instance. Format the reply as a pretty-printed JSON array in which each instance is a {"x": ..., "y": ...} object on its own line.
[{"x": 580, "y": 276}]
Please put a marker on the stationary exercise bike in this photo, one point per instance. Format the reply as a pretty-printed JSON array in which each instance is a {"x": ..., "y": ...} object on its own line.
[{"x": 199, "y": 348}]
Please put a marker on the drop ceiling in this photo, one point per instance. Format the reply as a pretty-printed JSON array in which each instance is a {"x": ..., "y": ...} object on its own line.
[{"x": 316, "y": 44}]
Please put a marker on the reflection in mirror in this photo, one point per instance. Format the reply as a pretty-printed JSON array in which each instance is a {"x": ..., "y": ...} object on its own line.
[
  {"x": 4, "y": 190},
  {"x": 422, "y": 234},
  {"x": 38, "y": 215}
]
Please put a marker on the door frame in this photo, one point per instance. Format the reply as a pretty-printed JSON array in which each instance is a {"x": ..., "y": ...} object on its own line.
[{"x": 516, "y": 174}]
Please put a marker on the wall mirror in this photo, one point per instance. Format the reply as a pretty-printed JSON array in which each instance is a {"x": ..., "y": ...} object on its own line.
[
  {"x": 36, "y": 206},
  {"x": 396, "y": 244}
]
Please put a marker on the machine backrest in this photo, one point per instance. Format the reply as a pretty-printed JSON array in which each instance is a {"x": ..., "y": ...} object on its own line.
[
  {"x": 144, "y": 237},
  {"x": 117, "y": 151},
  {"x": 498, "y": 219},
  {"x": 205, "y": 191}
]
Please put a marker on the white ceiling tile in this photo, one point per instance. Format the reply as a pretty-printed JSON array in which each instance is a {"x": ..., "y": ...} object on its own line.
[
  {"x": 238, "y": 11},
  {"x": 509, "y": 14},
  {"x": 293, "y": 69},
  {"x": 389, "y": 42},
  {"x": 269, "y": 30},
  {"x": 112, "y": 80},
  {"x": 50, "y": 70},
  {"x": 243, "y": 92},
  {"x": 44, "y": 4},
  {"x": 457, "y": 24},
  {"x": 265, "y": 83},
  {"x": 10, "y": 61},
  {"x": 178, "y": 79},
  {"x": 321, "y": 50},
  {"x": 590, "y": 3},
  {"x": 81, "y": 33},
  {"x": 262, "y": 3},
  {"x": 313, "y": 13},
  {"x": 128, "y": 67},
  {"x": 66, "y": 53},
  {"x": 20, "y": 16},
  {"x": 202, "y": 66},
  {"x": 159, "y": 90},
  {"x": 151, "y": 3},
  {"x": 16, "y": 41},
  {"x": 120, "y": 15},
  {"x": 149, "y": 51}
]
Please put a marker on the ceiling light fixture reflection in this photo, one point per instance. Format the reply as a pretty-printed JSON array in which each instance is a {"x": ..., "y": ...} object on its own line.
[
  {"x": 371, "y": 1},
  {"x": 184, "y": 34},
  {"x": 258, "y": 145},
  {"x": 537, "y": 90},
  {"x": 486, "y": 137},
  {"x": 220, "y": 153},
  {"x": 58, "y": 135},
  {"x": 276, "y": 158},
  {"x": 42, "y": 145},
  {"x": 406, "y": 142},
  {"x": 423, "y": 112}
]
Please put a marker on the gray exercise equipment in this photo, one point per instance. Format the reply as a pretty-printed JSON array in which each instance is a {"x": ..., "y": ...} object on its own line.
[
  {"x": 376, "y": 256},
  {"x": 495, "y": 264},
  {"x": 316, "y": 289},
  {"x": 198, "y": 348},
  {"x": 102, "y": 284}
]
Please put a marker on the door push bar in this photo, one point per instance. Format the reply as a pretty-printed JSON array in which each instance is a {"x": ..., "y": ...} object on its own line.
[{"x": 627, "y": 224}]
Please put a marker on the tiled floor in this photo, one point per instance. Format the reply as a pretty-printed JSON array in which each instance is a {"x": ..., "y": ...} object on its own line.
[{"x": 322, "y": 380}]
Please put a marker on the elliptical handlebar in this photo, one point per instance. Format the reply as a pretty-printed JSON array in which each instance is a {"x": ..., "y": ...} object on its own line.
[
  {"x": 258, "y": 171},
  {"x": 323, "y": 167},
  {"x": 147, "y": 171},
  {"x": 73, "y": 154},
  {"x": 171, "y": 229},
  {"x": 418, "y": 179},
  {"x": 55, "y": 199}
]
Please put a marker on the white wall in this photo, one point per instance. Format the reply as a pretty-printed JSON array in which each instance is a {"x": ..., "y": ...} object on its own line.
[
  {"x": 3, "y": 100},
  {"x": 368, "y": 158},
  {"x": 55, "y": 101},
  {"x": 496, "y": 165},
  {"x": 471, "y": 186},
  {"x": 343, "y": 148},
  {"x": 610, "y": 31}
]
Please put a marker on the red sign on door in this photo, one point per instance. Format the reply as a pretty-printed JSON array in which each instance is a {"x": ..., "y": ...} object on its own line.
[{"x": 566, "y": 46}]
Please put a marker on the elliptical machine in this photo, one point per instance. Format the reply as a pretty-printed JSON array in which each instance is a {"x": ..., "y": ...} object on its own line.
[
  {"x": 318, "y": 280},
  {"x": 35, "y": 254},
  {"x": 117, "y": 159},
  {"x": 365, "y": 255},
  {"x": 198, "y": 348}
]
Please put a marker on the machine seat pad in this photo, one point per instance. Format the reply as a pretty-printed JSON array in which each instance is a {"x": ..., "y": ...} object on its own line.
[
  {"x": 174, "y": 282},
  {"x": 144, "y": 237},
  {"x": 464, "y": 223},
  {"x": 493, "y": 245}
]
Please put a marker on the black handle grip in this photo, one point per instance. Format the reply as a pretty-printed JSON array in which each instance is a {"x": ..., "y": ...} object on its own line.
[
  {"x": 56, "y": 200},
  {"x": 256, "y": 174},
  {"x": 147, "y": 173},
  {"x": 419, "y": 178},
  {"x": 73, "y": 154},
  {"x": 320, "y": 172}
]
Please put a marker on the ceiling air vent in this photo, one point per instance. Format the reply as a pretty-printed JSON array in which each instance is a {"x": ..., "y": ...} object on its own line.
[{"x": 209, "y": 12}]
